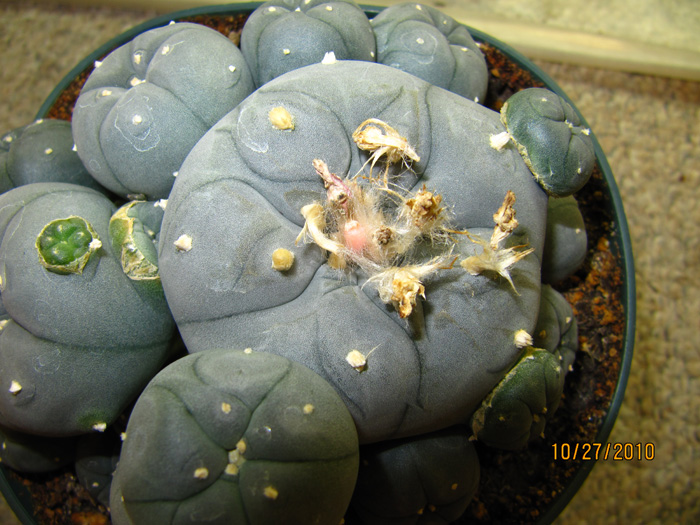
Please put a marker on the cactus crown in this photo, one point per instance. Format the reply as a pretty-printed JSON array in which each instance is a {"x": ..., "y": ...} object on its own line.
[{"x": 65, "y": 245}]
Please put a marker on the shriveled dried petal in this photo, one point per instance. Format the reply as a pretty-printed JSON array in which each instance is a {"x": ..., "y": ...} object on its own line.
[
  {"x": 380, "y": 138},
  {"x": 383, "y": 235},
  {"x": 499, "y": 261},
  {"x": 338, "y": 192},
  {"x": 424, "y": 207},
  {"x": 401, "y": 285},
  {"x": 505, "y": 220},
  {"x": 493, "y": 257},
  {"x": 406, "y": 287}
]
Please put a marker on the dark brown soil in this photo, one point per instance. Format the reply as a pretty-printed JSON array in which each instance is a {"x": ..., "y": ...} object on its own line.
[
  {"x": 516, "y": 487},
  {"x": 60, "y": 499}
]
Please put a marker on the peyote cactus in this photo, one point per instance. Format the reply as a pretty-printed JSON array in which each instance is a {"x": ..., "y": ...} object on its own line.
[
  {"x": 549, "y": 136},
  {"x": 557, "y": 329},
  {"x": 421, "y": 40},
  {"x": 135, "y": 231},
  {"x": 236, "y": 437},
  {"x": 96, "y": 459},
  {"x": 145, "y": 106},
  {"x": 566, "y": 243},
  {"x": 282, "y": 35},
  {"x": 269, "y": 183},
  {"x": 42, "y": 151},
  {"x": 31, "y": 453},
  {"x": 351, "y": 224},
  {"x": 516, "y": 410},
  {"x": 433, "y": 479},
  {"x": 71, "y": 369}
]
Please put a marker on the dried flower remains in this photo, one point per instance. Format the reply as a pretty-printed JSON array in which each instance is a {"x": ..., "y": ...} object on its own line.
[
  {"x": 397, "y": 237},
  {"x": 494, "y": 257},
  {"x": 381, "y": 139}
]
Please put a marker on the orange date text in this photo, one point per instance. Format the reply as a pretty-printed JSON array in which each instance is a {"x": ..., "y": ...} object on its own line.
[{"x": 605, "y": 451}]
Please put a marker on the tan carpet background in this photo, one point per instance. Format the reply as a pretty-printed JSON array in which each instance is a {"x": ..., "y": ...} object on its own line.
[{"x": 649, "y": 128}]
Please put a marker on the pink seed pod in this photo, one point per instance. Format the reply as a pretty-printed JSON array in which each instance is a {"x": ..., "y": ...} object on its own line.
[{"x": 355, "y": 236}]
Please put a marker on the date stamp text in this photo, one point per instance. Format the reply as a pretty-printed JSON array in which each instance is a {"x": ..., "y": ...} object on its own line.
[{"x": 605, "y": 451}]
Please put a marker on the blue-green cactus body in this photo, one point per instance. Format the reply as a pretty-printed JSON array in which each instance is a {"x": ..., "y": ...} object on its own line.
[
  {"x": 282, "y": 35},
  {"x": 78, "y": 346},
  {"x": 557, "y": 329},
  {"x": 517, "y": 409},
  {"x": 238, "y": 198},
  {"x": 421, "y": 40},
  {"x": 96, "y": 459},
  {"x": 433, "y": 479},
  {"x": 240, "y": 437},
  {"x": 42, "y": 151},
  {"x": 551, "y": 139},
  {"x": 32, "y": 454},
  {"x": 150, "y": 100},
  {"x": 515, "y": 412},
  {"x": 566, "y": 244}
]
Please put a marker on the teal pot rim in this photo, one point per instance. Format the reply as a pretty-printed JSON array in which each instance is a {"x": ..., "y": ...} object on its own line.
[{"x": 17, "y": 495}]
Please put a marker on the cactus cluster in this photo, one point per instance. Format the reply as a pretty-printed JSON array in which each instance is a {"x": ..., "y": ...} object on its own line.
[
  {"x": 149, "y": 102},
  {"x": 300, "y": 260}
]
